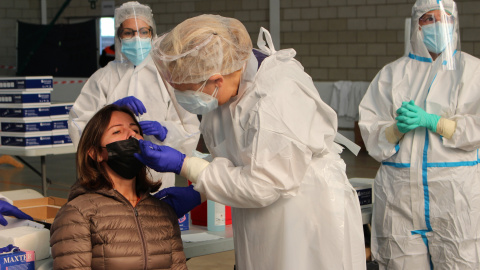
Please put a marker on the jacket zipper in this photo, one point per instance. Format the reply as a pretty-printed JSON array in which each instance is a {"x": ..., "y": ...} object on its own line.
[
  {"x": 140, "y": 231},
  {"x": 141, "y": 236}
]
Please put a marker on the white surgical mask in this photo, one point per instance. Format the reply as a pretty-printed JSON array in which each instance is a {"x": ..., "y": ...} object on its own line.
[{"x": 197, "y": 102}]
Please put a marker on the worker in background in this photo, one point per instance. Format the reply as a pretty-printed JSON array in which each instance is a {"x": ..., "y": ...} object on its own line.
[
  {"x": 108, "y": 54},
  {"x": 132, "y": 80},
  {"x": 272, "y": 140},
  {"x": 421, "y": 119}
]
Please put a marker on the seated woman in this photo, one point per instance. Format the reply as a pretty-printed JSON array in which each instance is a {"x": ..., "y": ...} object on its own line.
[{"x": 111, "y": 221}]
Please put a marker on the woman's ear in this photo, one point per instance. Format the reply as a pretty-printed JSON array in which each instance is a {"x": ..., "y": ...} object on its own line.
[
  {"x": 218, "y": 79},
  {"x": 94, "y": 155}
]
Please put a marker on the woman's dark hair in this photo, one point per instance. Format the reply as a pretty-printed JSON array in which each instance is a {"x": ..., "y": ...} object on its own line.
[{"x": 91, "y": 174}]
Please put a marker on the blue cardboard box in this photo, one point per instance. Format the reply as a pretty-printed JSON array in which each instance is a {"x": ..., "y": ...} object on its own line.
[
  {"x": 22, "y": 110},
  {"x": 364, "y": 188},
  {"x": 26, "y": 83},
  {"x": 24, "y": 260},
  {"x": 26, "y": 139},
  {"x": 31, "y": 124},
  {"x": 14, "y": 97},
  {"x": 184, "y": 222},
  {"x": 59, "y": 124},
  {"x": 364, "y": 196},
  {"x": 60, "y": 109},
  {"x": 60, "y": 138}
]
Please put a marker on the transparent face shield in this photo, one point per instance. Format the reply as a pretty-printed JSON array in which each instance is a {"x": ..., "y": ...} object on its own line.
[{"x": 439, "y": 30}]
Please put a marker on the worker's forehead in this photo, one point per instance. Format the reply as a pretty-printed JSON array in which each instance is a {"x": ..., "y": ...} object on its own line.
[
  {"x": 436, "y": 12},
  {"x": 134, "y": 23}
]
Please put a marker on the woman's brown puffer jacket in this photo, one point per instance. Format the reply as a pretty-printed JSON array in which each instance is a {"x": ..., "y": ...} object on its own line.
[{"x": 102, "y": 230}]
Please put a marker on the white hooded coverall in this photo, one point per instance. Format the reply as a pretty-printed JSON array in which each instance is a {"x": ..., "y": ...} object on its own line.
[
  {"x": 276, "y": 163},
  {"x": 427, "y": 190}
]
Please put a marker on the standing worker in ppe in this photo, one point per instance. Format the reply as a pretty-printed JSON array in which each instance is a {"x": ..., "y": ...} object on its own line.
[
  {"x": 420, "y": 118},
  {"x": 272, "y": 140},
  {"x": 132, "y": 80}
]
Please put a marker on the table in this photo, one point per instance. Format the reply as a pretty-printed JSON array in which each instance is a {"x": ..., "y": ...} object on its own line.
[
  {"x": 195, "y": 249},
  {"x": 38, "y": 152}
]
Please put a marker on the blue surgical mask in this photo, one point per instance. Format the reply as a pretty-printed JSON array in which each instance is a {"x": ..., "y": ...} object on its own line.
[
  {"x": 436, "y": 36},
  {"x": 197, "y": 102},
  {"x": 136, "y": 49}
]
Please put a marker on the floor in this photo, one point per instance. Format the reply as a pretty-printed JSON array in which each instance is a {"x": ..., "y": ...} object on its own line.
[{"x": 61, "y": 172}]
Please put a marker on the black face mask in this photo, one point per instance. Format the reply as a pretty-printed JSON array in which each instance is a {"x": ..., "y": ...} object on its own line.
[{"x": 121, "y": 159}]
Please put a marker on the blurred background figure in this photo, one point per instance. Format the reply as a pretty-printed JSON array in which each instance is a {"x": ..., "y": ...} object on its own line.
[{"x": 108, "y": 54}]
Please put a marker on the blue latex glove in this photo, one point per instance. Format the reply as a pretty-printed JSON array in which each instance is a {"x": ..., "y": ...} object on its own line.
[
  {"x": 154, "y": 128},
  {"x": 9, "y": 248},
  {"x": 181, "y": 199},
  {"x": 410, "y": 116},
  {"x": 159, "y": 157},
  {"x": 7, "y": 209},
  {"x": 133, "y": 103}
]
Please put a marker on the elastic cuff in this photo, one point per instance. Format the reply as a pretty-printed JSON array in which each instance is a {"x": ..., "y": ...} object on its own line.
[
  {"x": 192, "y": 167},
  {"x": 446, "y": 127},
  {"x": 392, "y": 134}
]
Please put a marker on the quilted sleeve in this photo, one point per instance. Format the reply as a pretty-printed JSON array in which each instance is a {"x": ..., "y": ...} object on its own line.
[{"x": 70, "y": 240}]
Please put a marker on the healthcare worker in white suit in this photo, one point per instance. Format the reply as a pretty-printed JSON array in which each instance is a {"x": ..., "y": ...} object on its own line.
[
  {"x": 420, "y": 118},
  {"x": 132, "y": 80},
  {"x": 272, "y": 140}
]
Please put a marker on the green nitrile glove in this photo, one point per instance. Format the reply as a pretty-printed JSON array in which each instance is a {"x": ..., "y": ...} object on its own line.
[{"x": 411, "y": 116}]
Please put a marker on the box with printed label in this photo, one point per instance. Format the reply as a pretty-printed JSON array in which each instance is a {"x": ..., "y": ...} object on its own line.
[
  {"x": 363, "y": 186},
  {"x": 59, "y": 124},
  {"x": 60, "y": 138},
  {"x": 15, "y": 97},
  {"x": 26, "y": 139},
  {"x": 60, "y": 109},
  {"x": 184, "y": 222},
  {"x": 21, "y": 260},
  {"x": 26, "y": 83},
  {"x": 26, "y": 124},
  {"x": 24, "y": 110}
]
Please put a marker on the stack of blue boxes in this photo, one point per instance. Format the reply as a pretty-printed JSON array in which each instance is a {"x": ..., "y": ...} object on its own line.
[
  {"x": 59, "y": 116},
  {"x": 25, "y": 112}
]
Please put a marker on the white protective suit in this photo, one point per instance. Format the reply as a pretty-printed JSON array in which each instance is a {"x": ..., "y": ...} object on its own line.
[
  {"x": 119, "y": 79},
  {"x": 276, "y": 163},
  {"x": 427, "y": 190}
]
